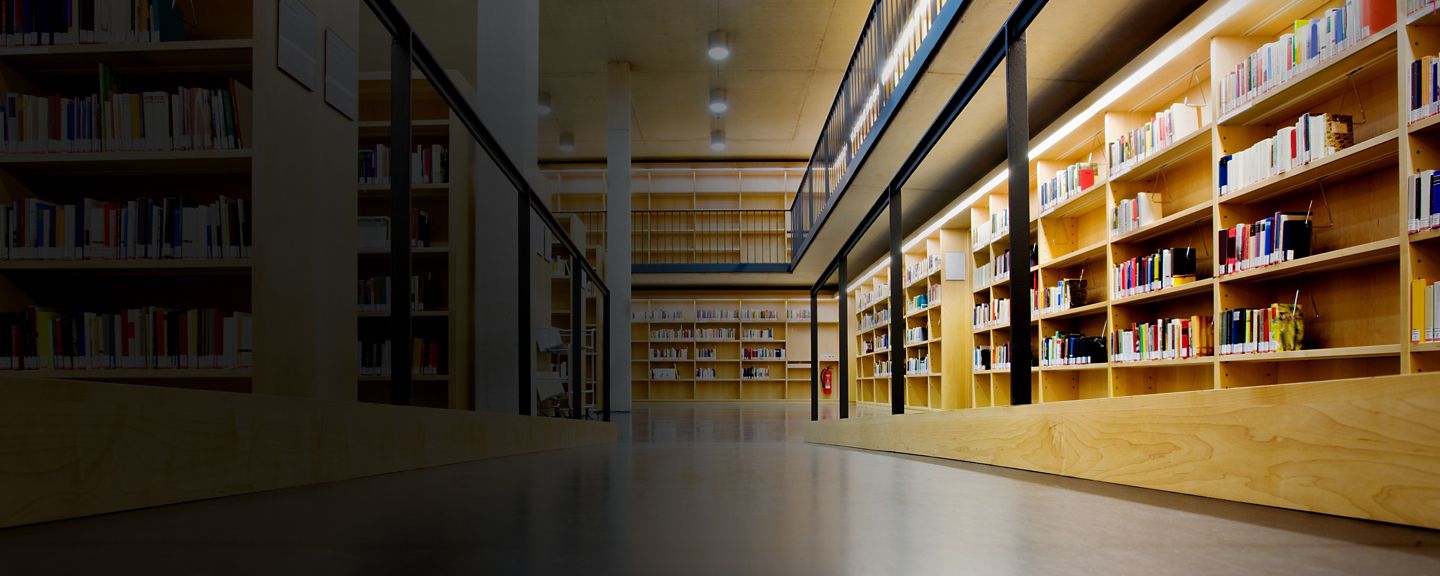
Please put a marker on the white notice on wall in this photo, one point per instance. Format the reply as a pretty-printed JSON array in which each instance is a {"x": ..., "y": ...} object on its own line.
[
  {"x": 954, "y": 265},
  {"x": 297, "y": 51},
  {"x": 342, "y": 75}
]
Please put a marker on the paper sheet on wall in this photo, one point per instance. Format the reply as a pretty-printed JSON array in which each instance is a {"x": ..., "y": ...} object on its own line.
[
  {"x": 954, "y": 265},
  {"x": 342, "y": 75},
  {"x": 298, "y": 51}
]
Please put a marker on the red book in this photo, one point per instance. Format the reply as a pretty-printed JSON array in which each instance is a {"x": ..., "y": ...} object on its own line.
[
  {"x": 1376, "y": 15},
  {"x": 1087, "y": 178}
]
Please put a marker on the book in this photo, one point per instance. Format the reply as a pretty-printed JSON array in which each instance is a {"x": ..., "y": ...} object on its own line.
[{"x": 1312, "y": 138}]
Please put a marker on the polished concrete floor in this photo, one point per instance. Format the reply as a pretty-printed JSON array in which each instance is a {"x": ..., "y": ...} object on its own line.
[{"x": 717, "y": 490}]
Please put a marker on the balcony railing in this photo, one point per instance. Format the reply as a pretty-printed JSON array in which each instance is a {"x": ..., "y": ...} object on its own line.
[
  {"x": 681, "y": 240},
  {"x": 872, "y": 88}
]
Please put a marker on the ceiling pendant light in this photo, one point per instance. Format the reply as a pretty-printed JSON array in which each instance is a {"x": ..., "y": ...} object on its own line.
[
  {"x": 543, "y": 104},
  {"x": 718, "y": 102},
  {"x": 567, "y": 142},
  {"x": 719, "y": 45},
  {"x": 717, "y": 141}
]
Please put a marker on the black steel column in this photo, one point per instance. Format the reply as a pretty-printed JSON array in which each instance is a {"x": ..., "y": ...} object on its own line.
[
  {"x": 842, "y": 374},
  {"x": 577, "y": 340},
  {"x": 604, "y": 334},
  {"x": 814, "y": 355},
  {"x": 1018, "y": 140},
  {"x": 401, "y": 353},
  {"x": 897, "y": 307}
]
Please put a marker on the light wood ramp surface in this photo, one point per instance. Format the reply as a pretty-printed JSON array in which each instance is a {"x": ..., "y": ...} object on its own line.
[
  {"x": 70, "y": 449},
  {"x": 1364, "y": 448}
]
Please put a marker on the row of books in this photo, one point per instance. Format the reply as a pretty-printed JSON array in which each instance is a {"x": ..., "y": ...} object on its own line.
[
  {"x": 64, "y": 22},
  {"x": 719, "y": 314},
  {"x": 1283, "y": 237},
  {"x": 373, "y": 293},
  {"x": 794, "y": 314},
  {"x": 1311, "y": 139},
  {"x": 1067, "y": 293},
  {"x": 1166, "y": 268},
  {"x": 144, "y": 228},
  {"x": 921, "y": 302},
  {"x": 135, "y": 338},
  {"x": 373, "y": 232},
  {"x": 715, "y": 334},
  {"x": 669, "y": 353},
  {"x": 1164, "y": 339},
  {"x": 426, "y": 358},
  {"x": 1424, "y": 200},
  {"x": 882, "y": 368},
  {"x": 705, "y": 373},
  {"x": 1309, "y": 44},
  {"x": 759, "y": 314},
  {"x": 1132, "y": 214},
  {"x": 921, "y": 269},
  {"x": 1066, "y": 183},
  {"x": 707, "y": 354},
  {"x": 989, "y": 314},
  {"x": 1164, "y": 129},
  {"x": 1424, "y": 310},
  {"x": 875, "y": 319},
  {"x": 428, "y": 165},
  {"x": 188, "y": 119},
  {"x": 673, "y": 334},
  {"x": 763, "y": 354},
  {"x": 758, "y": 334},
  {"x": 658, "y": 315},
  {"x": 864, "y": 298},
  {"x": 1275, "y": 328},
  {"x": 880, "y": 343},
  {"x": 917, "y": 334},
  {"x": 1071, "y": 349},
  {"x": 663, "y": 374},
  {"x": 997, "y": 225},
  {"x": 755, "y": 373},
  {"x": 918, "y": 366},
  {"x": 1424, "y": 87},
  {"x": 992, "y": 357}
]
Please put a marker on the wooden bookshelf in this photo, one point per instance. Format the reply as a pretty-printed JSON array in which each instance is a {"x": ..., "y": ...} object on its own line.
[
  {"x": 224, "y": 42},
  {"x": 736, "y": 377},
  {"x": 445, "y": 266},
  {"x": 1353, "y": 288}
]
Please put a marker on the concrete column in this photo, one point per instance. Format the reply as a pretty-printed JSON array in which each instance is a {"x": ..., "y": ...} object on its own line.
[
  {"x": 617, "y": 236},
  {"x": 507, "y": 77}
]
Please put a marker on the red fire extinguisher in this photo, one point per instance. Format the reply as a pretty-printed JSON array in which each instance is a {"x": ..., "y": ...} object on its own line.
[{"x": 826, "y": 381}]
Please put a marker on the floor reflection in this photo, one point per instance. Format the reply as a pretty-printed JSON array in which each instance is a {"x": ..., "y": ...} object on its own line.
[{"x": 717, "y": 489}]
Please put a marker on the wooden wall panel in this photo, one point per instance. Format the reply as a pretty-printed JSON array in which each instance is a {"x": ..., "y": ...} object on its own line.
[
  {"x": 71, "y": 449},
  {"x": 1360, "y": 448}
]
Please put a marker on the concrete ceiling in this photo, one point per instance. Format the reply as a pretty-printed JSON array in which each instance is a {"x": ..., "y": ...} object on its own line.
[{"x": 787, "y": 59}]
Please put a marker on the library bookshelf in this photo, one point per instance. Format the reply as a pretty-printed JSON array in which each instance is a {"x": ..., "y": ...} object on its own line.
[
  {"x": 729, "y": 347},
  {"x": 442, "y": 262},
  {"x": 689, "y": 213},
  {"x": 555, "y": 365},
  {"x": 1353, "y": 289},
  {"x": 247, "y": 283}
]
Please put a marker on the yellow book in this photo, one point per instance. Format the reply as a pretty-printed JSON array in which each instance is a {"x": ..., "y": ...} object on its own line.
[{"x": 1417, "y": 309}]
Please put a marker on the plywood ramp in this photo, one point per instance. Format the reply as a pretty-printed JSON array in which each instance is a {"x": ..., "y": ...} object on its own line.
[
  {"x": 71, "y": 449},
  {"x": 1366, "y": 448}
]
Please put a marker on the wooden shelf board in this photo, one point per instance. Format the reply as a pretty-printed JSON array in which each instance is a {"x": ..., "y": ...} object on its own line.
[
  {"x": 413, "y": 314},
  {"x": 1424, "y": 125},
  {"x": 209, "y": 264},
  {"x": 1378, "y": 49},
  {"x": 1167, "y": 293},
  {"x": 1076, "y": 368},
  {"x": 1356, "y": 159},
  {"x": 1087, "y": 200},
  {"x": 1425, "y": 17},
  {"x": 429, "y": 127},
  {"x": 1376, "y": 351},
  {"x": 1425, "y": 346},
  {"x": 1424, "y": 235},
  {"x": 173, "y": 161},
  {"x": 1086, "y": 310},
  {"x": 414, "y": 378},
  {"x": 225, "y": 55},
  {"x": 1078, "y": 256},
  {"x": 919, "y": 312},
  {"x": 1193, "y": 215},
  {"x": 1352, "y": 257},
  {"x": 1180, "y": 150},
  {"x": 136, "y": 374},
  {"x": 1196, "y": 361}
]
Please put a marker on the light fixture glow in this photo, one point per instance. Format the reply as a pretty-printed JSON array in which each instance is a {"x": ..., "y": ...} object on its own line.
[
  {"x": 719, "y": 104},
  {"x": 717, "y": 141},
  {"x": 542, "y": 105},
  {"x": 719, "y": 45},
  {"x": 1164, "y": 57},
  {"x": 567, "y": 142}
]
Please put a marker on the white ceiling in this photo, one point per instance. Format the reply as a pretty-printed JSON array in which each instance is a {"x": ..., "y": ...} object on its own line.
[{"x": 786, "y": 63}]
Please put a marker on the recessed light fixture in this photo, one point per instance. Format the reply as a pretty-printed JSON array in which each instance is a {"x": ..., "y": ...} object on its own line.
[
  {"x": 567, "y": 142},
  {"x": 717, "y": 141},
  {"x": 718, "y": 103},
  {"x": 719, "y": 45},
  {"x": 542, "y": 105}
]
